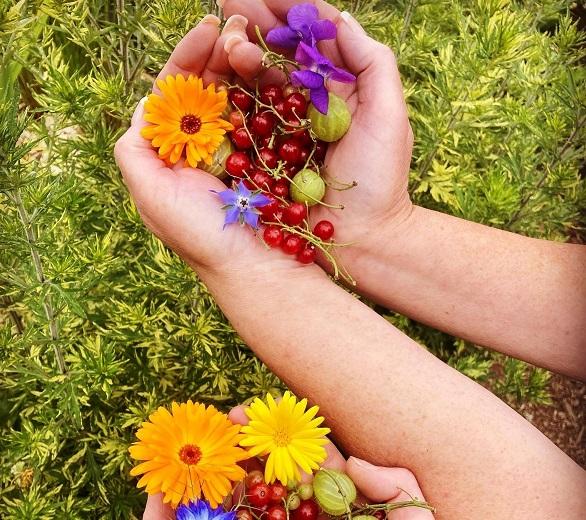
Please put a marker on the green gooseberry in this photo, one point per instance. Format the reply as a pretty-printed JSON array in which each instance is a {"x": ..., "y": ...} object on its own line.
[
  {"x": 307, "y": 187},
  {"x": 332, "y": 126},
  {"x": 218, "y": 166},
  {"x": 334, "y": 491}
]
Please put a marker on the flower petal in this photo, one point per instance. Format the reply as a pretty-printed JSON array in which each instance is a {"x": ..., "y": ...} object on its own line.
[
  {"x": 251, "y": 218},
  {"x": 284, "y": 37},
  {"x": 341, "y": 75},
  {"x": 304, "y": 55},
  {"x": 258, "y": 200},
  {"x": 320, "y": 99},
  {"x": 242, "y": 190},
  {"x": 232, "y": 216},
  {"x": 323, "y": 30},
  {"x": 307, "y": 78},
  {"x": 228, "y": 197},
  {"x": 301, "y": 15}
]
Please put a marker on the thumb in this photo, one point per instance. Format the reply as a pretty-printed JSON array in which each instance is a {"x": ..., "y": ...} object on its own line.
[
  {"x": 380, "y": 484},
  {"x": 156, "y": 510}
]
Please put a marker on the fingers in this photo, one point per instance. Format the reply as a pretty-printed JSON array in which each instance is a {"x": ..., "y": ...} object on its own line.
[
  {"x": 194, "y": 50},
  {"x": 245, "y": 58},
  {"x": 156, "y": 510},
  {"x": 381, "y": 484},
  {"x": 238, "y": 416},
  {"x": 257, "y": 13},
  {"x": 379, "y": 83}
]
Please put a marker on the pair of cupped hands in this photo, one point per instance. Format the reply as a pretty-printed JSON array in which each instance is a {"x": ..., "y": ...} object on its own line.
[{"x": 177, "y": 204}]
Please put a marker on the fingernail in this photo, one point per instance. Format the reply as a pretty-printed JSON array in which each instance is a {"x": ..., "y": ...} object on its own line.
[
  {"x": 235, "y": 22},
  {"x": 210, "y": 18},
  {"x": 138, "y": 111},
  {"x": 221, "y": 3},
  {"x": 362, "y": 463},
  {"x": 351, "y": 22},
  {"x": 232, "y": 41}
]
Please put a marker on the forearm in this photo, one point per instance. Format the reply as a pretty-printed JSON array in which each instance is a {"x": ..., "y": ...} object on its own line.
[
  {"x": 521, "y": 296},
  {"x": 390, "y": 401}
]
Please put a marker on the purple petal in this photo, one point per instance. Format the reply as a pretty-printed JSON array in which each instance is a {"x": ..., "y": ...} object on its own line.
[
  {"x": 228, "y": 197},
  {"x": 232, "y": 216},
  {"x": 323, "y": 30},
  {"x": 341, "y": 75},
  {"x": 258, "y": 200},
  {"x": 309, "y": 56},
  {"x": 251, "y": 218},
  {"x": 284, "y": 37},
  {"x": 307, "y": 78},
  {"x": 301, "y": 15},
  {"x": 242, "y": 190},
  {"x": 320, "y": 99}
]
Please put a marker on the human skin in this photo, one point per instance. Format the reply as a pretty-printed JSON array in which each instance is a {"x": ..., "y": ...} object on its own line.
[
  {"x": 377, "y": 484},
  {"x": 387, "y": 400},
  {"x": 521, "y": 296}
]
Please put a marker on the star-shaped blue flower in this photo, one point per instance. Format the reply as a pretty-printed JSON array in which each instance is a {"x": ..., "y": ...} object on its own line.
[
  {"x": 241, "y": 205},
  {"x": 319, "y": 68},
  {"x": 303, "y": 25},
  {"x": 201, "y": 510}
]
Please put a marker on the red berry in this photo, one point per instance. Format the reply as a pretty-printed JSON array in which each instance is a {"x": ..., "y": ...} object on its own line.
[
  {"x": 295, "y": 214},
  {"x": 273, "y": 237},
  {"x": 259, "y": 495},
  {"x": 241, "y": 139},
  {"x": 236, "y": 118},
  {"x": 238, "y": 164},
  {"x": 307, "y": 510},
  {"x": 290, "y": 170},
  {"x": 267, "y": 158},
  {"x": 240, "y": 99},
  {"x": 281, "y": 189},
  {"x": 262, "y": 180},
  {"x": 292, "y": 244},
  {"x": 321, "y": 149},
  {"x": 303, "y": 156},
  {"x": 324, "y": 229},
  {"x": 288, "y": 90},
  {"x": 271, "y": 94},
  {"x": 281, "y": 108},
  {"x": 379, "y": 514},
  {"x": 266, "y": 142},
  {"x": 303, "y": 137},
  {"x": 263, "y": 124},
  {"x": 277, "y": 513},
  {"x": 307, "y": 255},
  {"x": 270, "y": 210},
  {"x": 278, "y": 491},
  {"x": 244, "y": 514},
  {"x": 290, "y": 151},
  {"x": 296, "y": 104},
  {"x": 253, "y": 478}
]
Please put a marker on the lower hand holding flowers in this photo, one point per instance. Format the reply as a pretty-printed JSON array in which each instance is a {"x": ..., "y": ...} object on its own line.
[{"x": 194, "y": 456}]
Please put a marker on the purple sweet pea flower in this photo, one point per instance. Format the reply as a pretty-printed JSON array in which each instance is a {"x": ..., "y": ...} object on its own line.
[
  {"x": 304, "y": 25},
  {"x": 240, "y": 205},
  {"x": 319, "y": 69}
]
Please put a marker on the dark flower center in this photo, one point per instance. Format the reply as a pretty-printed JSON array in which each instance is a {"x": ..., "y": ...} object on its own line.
[
  {"x": 190, "y": 124},
  {"x": 190, "y": 454},
  {"x": 243, "y": 203}
]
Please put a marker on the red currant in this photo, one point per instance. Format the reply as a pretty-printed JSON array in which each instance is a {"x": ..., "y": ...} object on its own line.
[
  {"x": 288, "y": 90},
  {"x": 263, "y": 124},
  {"x": 307, "y": 255},
  {"x": 303, "y": 156},
  {"x": 277, "y": 513},
  {"x": 281, "y": 108},
  {"x": 236, "y": 118},
  {"x": 296, "y": 104},
  {"x": 271, "y": 94},
  {"x": 238, "y": 164},
  {"x": 324, "y": 229},
  {"x": 262, "y": 180},
  {"x": 307, "y": 510},
  {"x": 281, "y": 189},
  {"x": 270, "y": 210},
  {"x": 278, "y": 492},
  {"x": 267, "y": 158},
  {"x": 240, "y": 99},
  {"x": 295, "y": 214},
  {"x": 273, "y": 237},
  {"x": 259, "y": 495},
  {"x": 244, "y": 514},
  {"x": 290, "y": 151},
  {"x": 241, "y": 139},
  {"x": 290, "y": 170},
  {"x": 292, "y": 244},
  {"x": 303, "y": 137},
  {"x": 321, "y": 149},
  {"x": 379, "y": 514}
]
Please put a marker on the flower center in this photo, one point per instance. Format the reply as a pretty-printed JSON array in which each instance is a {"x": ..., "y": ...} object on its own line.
[
  {"x": 243, "y": 203},
  {"x": 281, "y": 437},
  {"x": 190, "y": 454},
  {"x": 190, "y": 124}
]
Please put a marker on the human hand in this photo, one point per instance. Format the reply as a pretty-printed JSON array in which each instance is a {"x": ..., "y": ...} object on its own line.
[
  {"x": 176, "y": 203},
  {"x": 377, "y": 484},
  {"x": 376, "y": 152}
]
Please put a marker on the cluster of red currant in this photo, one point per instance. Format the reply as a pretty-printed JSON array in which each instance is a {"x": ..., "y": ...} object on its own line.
[
  {"x": 275, "y": 501},
  {"x": 275, "y": 152}
]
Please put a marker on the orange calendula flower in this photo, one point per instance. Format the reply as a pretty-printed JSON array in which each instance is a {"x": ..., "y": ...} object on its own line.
[
  {"x": 188, "y": 453},
  {"x": 185, "y": 120}
]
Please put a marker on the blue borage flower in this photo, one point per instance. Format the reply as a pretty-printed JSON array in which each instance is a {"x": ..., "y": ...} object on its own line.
[
  {"x": 319, "y": 69},
  {"x": 201, "y": 510},
  {"x": 241, "y": 205},
  {"x": 303, "y": 25}
]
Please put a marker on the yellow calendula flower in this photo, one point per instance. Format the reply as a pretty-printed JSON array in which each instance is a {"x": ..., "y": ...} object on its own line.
[
  {"x": 289, "y": 434},
  {"x": 188, "y": 452},
  {"x": 185, "y": 120}
]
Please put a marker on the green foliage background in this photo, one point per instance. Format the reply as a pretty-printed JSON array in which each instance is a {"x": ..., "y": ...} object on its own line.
[{"x": 99, "y": 323}]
